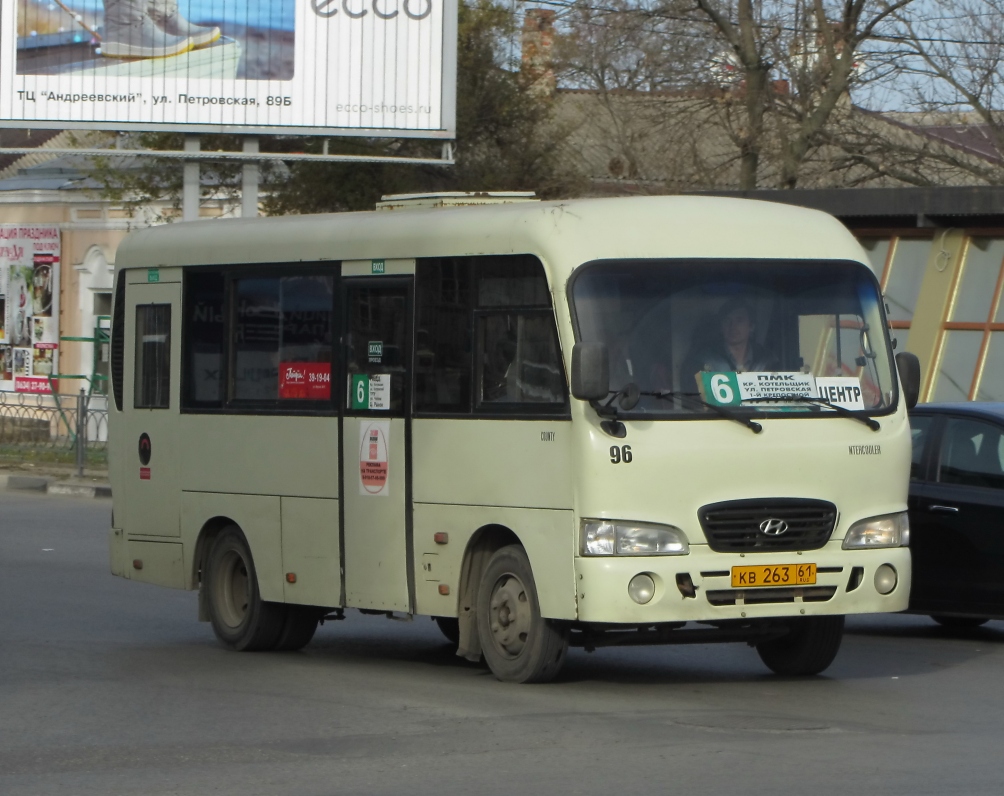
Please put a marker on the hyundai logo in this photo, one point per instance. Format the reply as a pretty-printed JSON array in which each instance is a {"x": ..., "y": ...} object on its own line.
[{"x": 773, "y": 527}]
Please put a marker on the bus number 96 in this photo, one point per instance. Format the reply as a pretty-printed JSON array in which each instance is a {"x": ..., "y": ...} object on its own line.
[{"x": 620, "y": 453}]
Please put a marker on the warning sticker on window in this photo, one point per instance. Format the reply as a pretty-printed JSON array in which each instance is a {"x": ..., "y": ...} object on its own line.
[{"x": 374, "y": 465}]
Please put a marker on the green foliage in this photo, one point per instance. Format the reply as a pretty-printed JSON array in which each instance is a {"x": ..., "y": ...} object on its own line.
[{"x": 506, "y": 140}]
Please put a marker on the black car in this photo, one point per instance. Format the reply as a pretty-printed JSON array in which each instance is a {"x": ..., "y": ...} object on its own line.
[{"x": 957, "y": 512}]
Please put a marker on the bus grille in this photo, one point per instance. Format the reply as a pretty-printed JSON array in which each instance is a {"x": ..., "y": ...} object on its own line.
[
  {"x": 788, "y": 594},
  {"x": 735, "y": 526}
]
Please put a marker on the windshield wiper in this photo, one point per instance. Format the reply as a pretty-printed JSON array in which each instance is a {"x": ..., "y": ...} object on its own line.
[
  {"x": 721, "y": 411},
  {"x": 843, "y": 411}
]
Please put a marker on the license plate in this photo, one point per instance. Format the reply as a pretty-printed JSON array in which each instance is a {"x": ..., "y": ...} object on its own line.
[{"x": 774, "y": 575}]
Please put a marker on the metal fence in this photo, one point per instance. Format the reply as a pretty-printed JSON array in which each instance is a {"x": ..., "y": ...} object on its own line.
[{"x": 59, "y": 428}]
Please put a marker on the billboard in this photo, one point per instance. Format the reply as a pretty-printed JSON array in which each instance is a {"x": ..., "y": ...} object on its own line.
[
  {"x": 29, "y": 297},
  {"x": 299, "y": 67}
]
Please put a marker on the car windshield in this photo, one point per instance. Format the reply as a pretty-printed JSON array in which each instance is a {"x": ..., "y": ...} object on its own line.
[{"x": 738, "y": 333}]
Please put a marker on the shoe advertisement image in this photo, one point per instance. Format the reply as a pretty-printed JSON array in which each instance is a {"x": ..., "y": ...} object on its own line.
[
  {"x": 76, "y": 36},
  {"x": 310, "y": 67}
]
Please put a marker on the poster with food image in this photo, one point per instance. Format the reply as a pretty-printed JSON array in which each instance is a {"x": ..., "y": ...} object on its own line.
[
  {"x": 29, "y": 307},
  {"x": 41, "y": 362}
]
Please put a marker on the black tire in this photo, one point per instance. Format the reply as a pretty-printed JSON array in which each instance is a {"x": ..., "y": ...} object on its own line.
[
  {"x": 450, "y": 627},
  {"x": 960, "y": 622},
  {"x": 808, "y": 649},
  {"x": 519, "y": 645},
  {"x": 241, "y": 620},
  {"x": 298, "y": 628}
]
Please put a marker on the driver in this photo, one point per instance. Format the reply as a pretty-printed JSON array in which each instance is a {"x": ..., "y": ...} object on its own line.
[{"x": 737, "y": 348}]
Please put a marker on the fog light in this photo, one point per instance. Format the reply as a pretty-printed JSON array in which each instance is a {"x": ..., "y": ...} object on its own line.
[
  {"x": 641, "y": 589},
  {"x": 885, "y": 579}
]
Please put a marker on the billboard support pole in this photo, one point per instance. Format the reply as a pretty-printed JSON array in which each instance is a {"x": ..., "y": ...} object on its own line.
[
  {"x": 249, "y": 184},
  {"x": 190, "y": 195}
]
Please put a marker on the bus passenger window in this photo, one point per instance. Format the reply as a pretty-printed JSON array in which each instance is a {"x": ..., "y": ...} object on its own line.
[
  {"x": 256, "y": 340},
  {"x": 282, "y": 348},
  {"x": 204, "y": 333},
  {"x": 519, "y": 359},
  {"x": 443, "y": 335},
  {"x": 517, "y": 345},
  {"x": 153, "y": 357}
]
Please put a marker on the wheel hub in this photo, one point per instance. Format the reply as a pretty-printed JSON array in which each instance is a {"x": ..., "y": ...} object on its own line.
[
  {"x": 233, "y": 593},
  {"x": 509, "y": 614}
]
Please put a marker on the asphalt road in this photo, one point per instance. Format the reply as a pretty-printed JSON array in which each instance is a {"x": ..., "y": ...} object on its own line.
[{"x": 112, "y": 687}]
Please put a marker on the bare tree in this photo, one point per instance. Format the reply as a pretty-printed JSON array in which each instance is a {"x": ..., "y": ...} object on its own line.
[
  {"x": 956, "y": 61},
  {"x": 636, "y": 62},
  {"x": 797, "y": 61}
]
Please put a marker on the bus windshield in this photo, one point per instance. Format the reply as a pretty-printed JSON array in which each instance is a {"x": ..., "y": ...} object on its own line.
[{"x": 669, "y": 325}]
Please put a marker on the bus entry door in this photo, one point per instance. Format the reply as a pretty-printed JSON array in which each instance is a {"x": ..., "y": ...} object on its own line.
[{"x": 376, "y": 487}]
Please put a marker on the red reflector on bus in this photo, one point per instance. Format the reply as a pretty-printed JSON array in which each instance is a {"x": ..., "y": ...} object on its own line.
[
  {"x": 290, "y": 577},
  {"x": 144, "y": 473},
  {"x": 444, "y": 589},
  {"x": 441, "y": 538},
  {"x": 137, "y": 563}
]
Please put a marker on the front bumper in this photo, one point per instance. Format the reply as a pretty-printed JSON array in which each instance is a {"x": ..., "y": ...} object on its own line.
[{"x": 602, "y": 593}]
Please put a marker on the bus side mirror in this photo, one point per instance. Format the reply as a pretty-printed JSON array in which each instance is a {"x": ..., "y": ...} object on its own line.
[
  {"x": 909, "y": 376},
  {"x": 590, "y": 371}
]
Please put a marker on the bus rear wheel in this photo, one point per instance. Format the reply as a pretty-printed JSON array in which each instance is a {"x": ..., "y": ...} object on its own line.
[
  {"x": 808, "y": 648},
  {"x": 241, "y": 620},
  {"x": 519, "y": 645},
  {"x": 298, "y": 627}
]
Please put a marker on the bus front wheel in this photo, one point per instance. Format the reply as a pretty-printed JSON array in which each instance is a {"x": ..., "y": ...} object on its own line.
[
  {"x": 807, "y": 649},
  {"x": 241, "y": 619},
  {"x": 519, "y": 645}
]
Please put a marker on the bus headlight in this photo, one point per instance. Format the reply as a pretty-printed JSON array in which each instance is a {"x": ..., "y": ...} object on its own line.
[
  {"x": 618, "y": 538},
  {"x": 889, "y": 530}
]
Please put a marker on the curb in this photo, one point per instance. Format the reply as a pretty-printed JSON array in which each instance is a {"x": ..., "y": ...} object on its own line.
[
  {"x": 50, "y": 486},
  {"x": 80, "y": 490}
]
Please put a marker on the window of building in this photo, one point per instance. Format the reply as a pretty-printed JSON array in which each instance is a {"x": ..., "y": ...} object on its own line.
[
  {"x": 971, "y": 351},
  {"x": 959, "y": 354},
  {"x": 991, "y": 382},
  {"x": 904, "y": 276},
  {"x": 152, "y": 389},
  {"x": 878, "y": 254}
]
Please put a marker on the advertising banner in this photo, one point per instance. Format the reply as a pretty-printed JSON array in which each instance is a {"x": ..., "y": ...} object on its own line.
[
  {"x": 29, "y": 297},
  {"x": 332, "y": 67}
]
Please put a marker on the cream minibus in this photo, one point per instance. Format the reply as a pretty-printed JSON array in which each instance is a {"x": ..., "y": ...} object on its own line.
[{"x": 544, "y": 424}]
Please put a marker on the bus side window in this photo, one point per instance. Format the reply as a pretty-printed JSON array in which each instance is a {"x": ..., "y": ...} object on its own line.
[
  {"x": 282, "y": 346},
  {"x": 518, "y": 361},
  {"x": 443, "y": 335},
  {"x": 204, "y": 333},
  {"x": 152, "y": 389}
]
